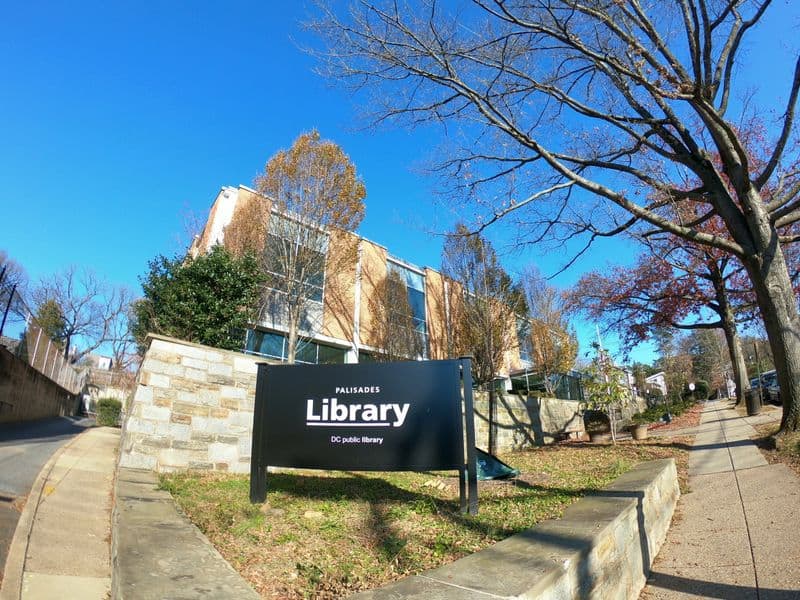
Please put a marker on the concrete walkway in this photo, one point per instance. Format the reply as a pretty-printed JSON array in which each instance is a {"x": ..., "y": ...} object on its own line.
[
  {"x": 159, "y": 554},
  {"x": 735, "y": 533},
  {"x": 61, "y": 547}
]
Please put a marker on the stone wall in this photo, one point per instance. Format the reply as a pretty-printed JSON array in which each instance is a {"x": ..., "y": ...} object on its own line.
[
  {"x": 603, "y": 547},
  {"x": 26, "y": 394},
  {"x": 524, "y": 422},
  {"x": 192, "y": 408}
]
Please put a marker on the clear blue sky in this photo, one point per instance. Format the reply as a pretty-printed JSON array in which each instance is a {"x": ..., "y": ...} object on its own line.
[{"x": 117, "y": 118}]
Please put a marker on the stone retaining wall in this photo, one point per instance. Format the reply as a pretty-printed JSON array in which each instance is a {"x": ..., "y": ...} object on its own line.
[
  {"x": 192, "y": 408},
  {"x": 602, "y": 548},
  {"x": 525, "y": 422},
  {"x": 26, "y": 394}
]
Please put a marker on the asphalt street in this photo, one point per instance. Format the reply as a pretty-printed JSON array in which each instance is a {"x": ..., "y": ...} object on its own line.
[{"x": 24, "y": 449}]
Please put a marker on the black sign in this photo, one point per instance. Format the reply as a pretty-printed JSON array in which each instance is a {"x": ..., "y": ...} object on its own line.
[{"x": 402, "y": 416}]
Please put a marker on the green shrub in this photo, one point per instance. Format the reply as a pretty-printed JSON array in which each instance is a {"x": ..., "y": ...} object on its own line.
[
  {"x": 108, "y": 411},
  {"x": 701, "y": 389}
]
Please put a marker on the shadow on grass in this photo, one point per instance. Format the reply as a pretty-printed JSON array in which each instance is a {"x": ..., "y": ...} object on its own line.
[{"x": 383, "y": 496}]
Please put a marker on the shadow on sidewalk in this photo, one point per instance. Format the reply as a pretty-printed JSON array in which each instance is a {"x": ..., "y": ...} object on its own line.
[
  {"x": 713, "y": 589},
  {"x": 55, "y": 428},
  {"x": 721, "y": 445}
]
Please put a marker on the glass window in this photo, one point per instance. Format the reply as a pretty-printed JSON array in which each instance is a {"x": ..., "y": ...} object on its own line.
[
  {"x": 415, "y": 287},
  {"x": 306, "y": 352},
  {"x": 265, "y": 343},
  {"x": 331, "y": 355},
  {"x": 524, "y": 340},
  {"x": 273, "y": 345},
  {"x": 416, "y": 300},
  {"x": 254, "y": 338},
  {"x": 290, "y": 242},
  {"x": 365, "y": 357}
]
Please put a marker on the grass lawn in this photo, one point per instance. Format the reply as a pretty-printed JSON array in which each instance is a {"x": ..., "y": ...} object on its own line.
[{"x": 328, "y": 534}]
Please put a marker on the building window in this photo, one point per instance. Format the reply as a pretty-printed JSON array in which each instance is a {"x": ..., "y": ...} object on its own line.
[
  {"x": 273, "y": 345},
  {"x": 524, "y": 340},
  {"x": 295, "y": 255},
  {"x": 366, "y": 357},
  {"x": 415, "y": 287}
]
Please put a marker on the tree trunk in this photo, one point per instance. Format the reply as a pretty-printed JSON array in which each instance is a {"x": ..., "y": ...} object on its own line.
[
  {"x": 739, "y": 367},
  {"x": 291, "y": 342},
  {"x": 778, "y": 306},
  {"x": 733, "y": 340}
]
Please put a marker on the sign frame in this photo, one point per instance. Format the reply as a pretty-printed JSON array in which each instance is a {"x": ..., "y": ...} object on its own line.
[{"x": 273, "y": 425}]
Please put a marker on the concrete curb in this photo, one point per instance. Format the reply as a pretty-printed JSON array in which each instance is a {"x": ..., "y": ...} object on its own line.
[{"x": 17, "y": 553}]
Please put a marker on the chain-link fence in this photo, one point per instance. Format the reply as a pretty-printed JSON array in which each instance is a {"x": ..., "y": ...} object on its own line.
[{"x": 21, "y": 334}]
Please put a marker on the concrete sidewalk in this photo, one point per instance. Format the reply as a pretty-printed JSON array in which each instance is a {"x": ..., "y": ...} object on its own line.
[
  {"x": 158, "y": 553},
  {"x": 734, "y": 535},
  {"x": 61, "y": 547}
]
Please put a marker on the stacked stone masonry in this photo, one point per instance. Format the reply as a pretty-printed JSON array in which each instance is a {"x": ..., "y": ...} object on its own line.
[
  {"x": 526, "y": 421},
  {"x": 602, "y": 548},
  {"x": 192, "y": 409}
]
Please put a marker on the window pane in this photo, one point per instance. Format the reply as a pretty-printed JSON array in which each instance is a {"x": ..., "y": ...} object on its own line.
[
  {"x": 272, "y": 345},
  {"x": 365, "y": 357},
  {"x": 306, "y": 352},
  {"x": 416, "y": 300},
  {"x": 254, "y": 339},
  {"x": 331, "y": 355},
  {"x": 524, "y": 339},
  {"x": 313, "y": 292}
]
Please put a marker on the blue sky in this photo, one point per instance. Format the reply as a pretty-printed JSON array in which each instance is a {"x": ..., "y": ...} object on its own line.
[{"x": 118, "y": 118}]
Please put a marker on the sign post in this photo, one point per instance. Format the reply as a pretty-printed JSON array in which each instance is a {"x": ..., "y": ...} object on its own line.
[
  {"x": 469, "y": 418},
  {"x": 402, "y": 416}
]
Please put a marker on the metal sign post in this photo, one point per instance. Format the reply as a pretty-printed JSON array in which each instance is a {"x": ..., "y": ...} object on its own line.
[{"x": 469, "y": 418}]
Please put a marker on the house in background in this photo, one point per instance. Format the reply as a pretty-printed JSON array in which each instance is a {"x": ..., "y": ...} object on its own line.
[
  {"x": 342, "y": 324},
  {"x": 658, "y": 381}
]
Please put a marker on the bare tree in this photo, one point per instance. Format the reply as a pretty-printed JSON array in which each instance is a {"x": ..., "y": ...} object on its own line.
[
  {"x": 597, "y": 115},
  {"x": 554, "y": 345},
  {"x": 90, "y": 309},
  {"x": 12, "y": 274},
  {"x": 310, "y": 195},
  {"x": 484, "y": 318}
]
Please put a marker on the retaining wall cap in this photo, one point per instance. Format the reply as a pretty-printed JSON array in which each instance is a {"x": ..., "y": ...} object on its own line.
[
  {"x": 534, "y": 563},
  {"x": 641, "y": 476},
  {"x": 258, "y": 359}
]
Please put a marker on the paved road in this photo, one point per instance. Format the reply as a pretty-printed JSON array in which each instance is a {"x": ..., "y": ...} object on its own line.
[{"x": 24, "y": 449}]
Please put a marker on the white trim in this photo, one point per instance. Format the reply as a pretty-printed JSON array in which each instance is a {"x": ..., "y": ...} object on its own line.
[
  {"x": 357, "y": 301},
  {"x": 407, "y": 265}
]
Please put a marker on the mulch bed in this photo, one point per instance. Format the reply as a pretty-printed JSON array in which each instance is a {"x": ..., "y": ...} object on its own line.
[{"x": 690, "y": 418}]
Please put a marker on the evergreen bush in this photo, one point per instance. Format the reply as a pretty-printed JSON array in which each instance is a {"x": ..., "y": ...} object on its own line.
[{"x": 108, "y": 411}]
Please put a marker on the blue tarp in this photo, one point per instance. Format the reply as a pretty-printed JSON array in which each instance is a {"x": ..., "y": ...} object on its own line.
[{"x": 491, "y": 467}]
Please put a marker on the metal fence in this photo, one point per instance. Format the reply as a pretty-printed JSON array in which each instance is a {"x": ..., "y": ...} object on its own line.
[{"x": 21, "y": 334}]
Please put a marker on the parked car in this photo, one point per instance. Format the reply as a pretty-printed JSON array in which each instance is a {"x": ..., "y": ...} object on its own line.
[{"x": 770, "y": 392}]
